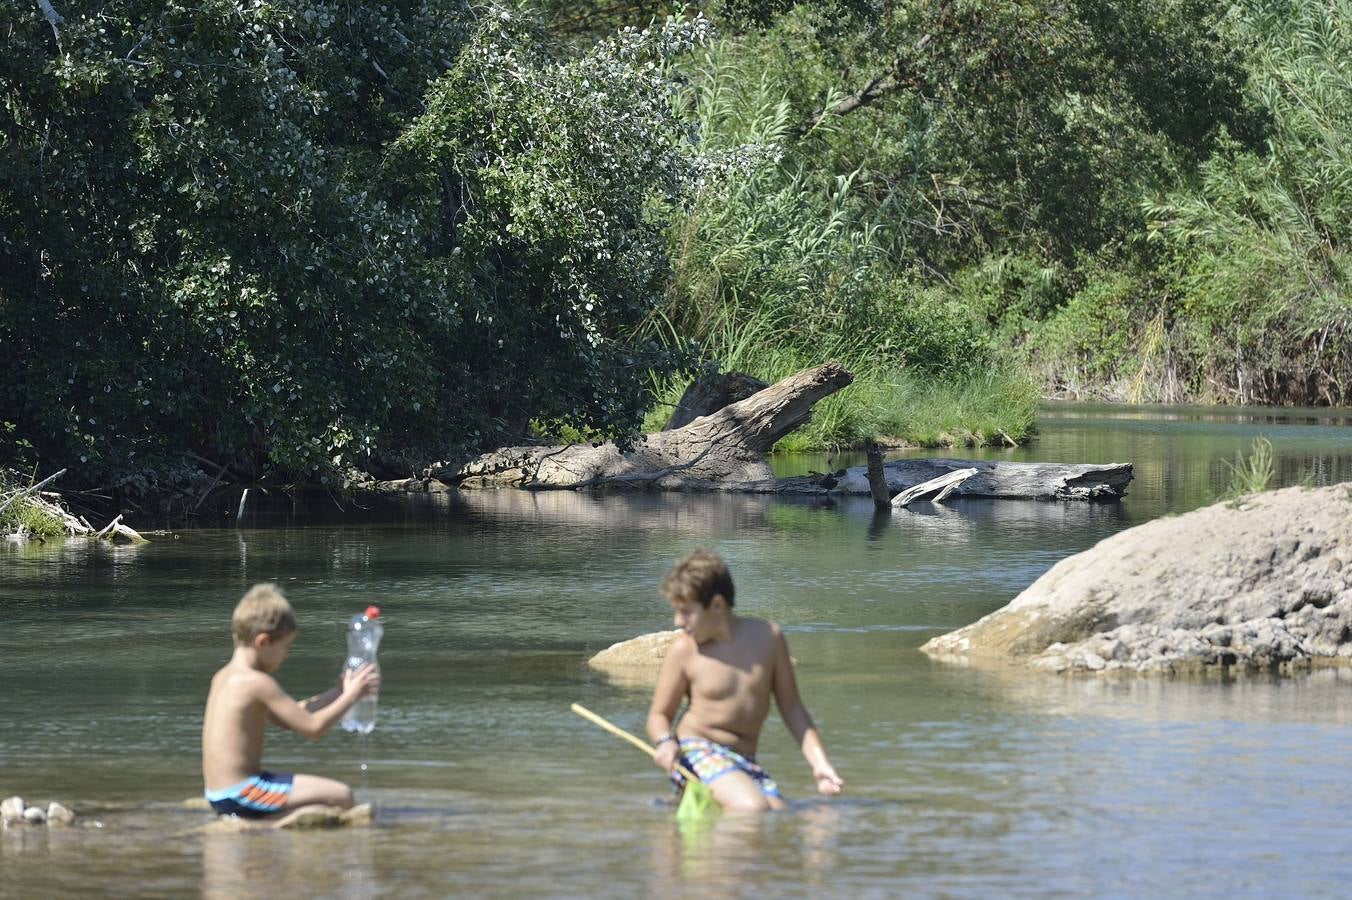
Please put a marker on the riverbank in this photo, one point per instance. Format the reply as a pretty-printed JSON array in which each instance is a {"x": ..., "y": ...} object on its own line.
[{"x": 27, "y": 511}]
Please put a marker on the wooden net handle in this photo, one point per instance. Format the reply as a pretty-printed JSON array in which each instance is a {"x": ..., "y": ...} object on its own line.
[{"x": 621, "y": 733}]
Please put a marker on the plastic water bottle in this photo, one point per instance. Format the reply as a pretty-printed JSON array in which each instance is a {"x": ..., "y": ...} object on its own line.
[{"x": 363, "y": 639}]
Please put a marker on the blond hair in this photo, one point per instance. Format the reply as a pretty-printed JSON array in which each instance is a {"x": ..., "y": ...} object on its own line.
[
  {"x": 698, "y": 576},
  {"x": 263, "y": 610}
]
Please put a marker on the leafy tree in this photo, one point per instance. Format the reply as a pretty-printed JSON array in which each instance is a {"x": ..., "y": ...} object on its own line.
[{"x": 289, "y": 237}]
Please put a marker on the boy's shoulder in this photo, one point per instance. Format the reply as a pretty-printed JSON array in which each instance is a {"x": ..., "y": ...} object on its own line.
[
  {"x": 760, "y": 628},
  {"x": 242, "y": 680}
]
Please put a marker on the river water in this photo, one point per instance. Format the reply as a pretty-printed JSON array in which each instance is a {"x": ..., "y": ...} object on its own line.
[{"x": 960, "y": 782}]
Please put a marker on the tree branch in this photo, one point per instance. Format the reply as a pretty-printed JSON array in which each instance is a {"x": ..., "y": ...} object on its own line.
[
  {"x": 53, "y": 18},
  {"x": 881, "y": 85}
]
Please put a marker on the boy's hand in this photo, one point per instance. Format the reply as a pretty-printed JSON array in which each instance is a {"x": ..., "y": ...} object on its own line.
[
  {"x": 828, "y": 782},
  {"x": 362, "y": 681},
  {"x": 665, "y": 757}
]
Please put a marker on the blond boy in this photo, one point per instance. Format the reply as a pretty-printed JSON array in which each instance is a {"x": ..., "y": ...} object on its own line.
[
  {"x": 729, "y": 666},
  {"x": 244, "y": 697}
]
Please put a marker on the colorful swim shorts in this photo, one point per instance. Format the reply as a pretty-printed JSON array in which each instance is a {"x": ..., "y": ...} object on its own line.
[
  {"x": 711, "y": 761},
  {"x": 261, "y": 795}
]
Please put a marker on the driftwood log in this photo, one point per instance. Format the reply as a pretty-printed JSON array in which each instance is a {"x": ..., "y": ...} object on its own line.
[
  {"x": 726, "y": 449},
  {"x": 996, "y": 479},
  {"x": 941, "y": 487}
]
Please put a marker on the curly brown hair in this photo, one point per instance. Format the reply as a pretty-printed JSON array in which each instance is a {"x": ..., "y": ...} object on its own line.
[{"x": 700, "y": 575}]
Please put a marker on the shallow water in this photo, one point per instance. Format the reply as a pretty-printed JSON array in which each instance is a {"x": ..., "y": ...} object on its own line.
[{"x": 959, "y": 781}]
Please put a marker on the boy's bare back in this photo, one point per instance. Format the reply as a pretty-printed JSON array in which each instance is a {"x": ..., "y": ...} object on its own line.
[{"x": 233, "y": 725}]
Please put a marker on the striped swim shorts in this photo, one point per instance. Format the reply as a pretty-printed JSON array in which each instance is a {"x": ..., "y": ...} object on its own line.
[{"x": 253, "y": 798}]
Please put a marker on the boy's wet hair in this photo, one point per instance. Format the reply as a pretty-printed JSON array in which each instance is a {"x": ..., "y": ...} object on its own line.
[
  {"x": 263, "y": 610},
  {"x": 698, "y": 576}
]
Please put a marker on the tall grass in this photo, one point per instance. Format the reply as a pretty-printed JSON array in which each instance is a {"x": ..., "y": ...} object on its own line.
[
  {"x": 885, "y": 401},
  {"x": 1250, "y": 474},
  {"x": 1267, "y": 274},
  {"x": 780, "y": 266}
]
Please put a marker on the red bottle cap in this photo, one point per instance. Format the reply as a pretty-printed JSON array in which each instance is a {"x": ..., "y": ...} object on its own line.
[{"x": 373, "y": 612}]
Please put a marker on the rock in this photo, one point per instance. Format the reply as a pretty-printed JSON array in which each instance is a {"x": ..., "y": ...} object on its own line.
[
  {"x": 34, "y": 815},
  {"x": 361, "y": 814},
  {"x": 196, "y": 803},
  {"x": 59, "y": 816},
  {"x": 1261, "y": 584},
  {"x": 11, "y": 810},
  {"x": 635, "y": 660},
  {"x": 304, "y": 819},
  {"x": 327, "y": 817},
  {"x": 311, "y": 817},
  {"x": 1091, "y": 660}
]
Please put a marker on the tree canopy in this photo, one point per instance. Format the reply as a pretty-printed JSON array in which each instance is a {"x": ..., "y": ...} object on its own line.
[{"x": 293, "y": 237}]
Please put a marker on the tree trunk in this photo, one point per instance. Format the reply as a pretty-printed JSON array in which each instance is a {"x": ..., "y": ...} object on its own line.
[
  {"x": 708, "y": 395},
  {"x": 718, "y": 451}
]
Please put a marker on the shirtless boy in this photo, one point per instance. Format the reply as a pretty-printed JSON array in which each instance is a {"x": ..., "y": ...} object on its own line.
[
  {"x": 244, "y": 698},
  {"x": 728, "y": 666}
]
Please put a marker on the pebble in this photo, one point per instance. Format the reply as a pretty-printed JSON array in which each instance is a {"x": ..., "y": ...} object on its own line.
[{"x": 12, "y": 809}]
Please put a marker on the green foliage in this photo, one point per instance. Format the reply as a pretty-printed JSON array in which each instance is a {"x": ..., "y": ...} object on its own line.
[
  {"x": 885, "y": 400},
  {"x": 1263, "y": 272},
  {"x": 253, "y": 232},
  {"x": 772, "y": 252},
  {"x": 986, "y": 198},
  {"x": 1090, "y": 340},
  {"x": 1250, "y": 474}
]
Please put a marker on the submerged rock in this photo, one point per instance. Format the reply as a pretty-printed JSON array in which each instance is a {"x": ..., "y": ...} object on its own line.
[
  {"x": 635, "y": 659},
  {"x": 1261, "y": 583}
]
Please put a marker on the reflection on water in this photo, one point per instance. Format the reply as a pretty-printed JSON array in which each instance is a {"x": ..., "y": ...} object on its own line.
[{"x": 961, "y": 781}]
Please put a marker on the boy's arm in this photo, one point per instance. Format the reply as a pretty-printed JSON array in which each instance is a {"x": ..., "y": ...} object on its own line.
[
  {"x": 796, "y": 717},
  {"x": 672, "y": 685},
  {"x": 288, "y": 713},
  {"x": 319, "y": 701},
  {"x": 311, "y": 704}
]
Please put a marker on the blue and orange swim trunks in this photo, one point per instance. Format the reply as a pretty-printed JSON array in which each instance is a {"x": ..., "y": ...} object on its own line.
[
  {"x": 256, "y": 797},
  {"x": 711, "y": 761}
]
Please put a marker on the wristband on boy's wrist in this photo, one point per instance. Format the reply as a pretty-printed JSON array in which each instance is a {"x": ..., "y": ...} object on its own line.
[{"x": 664, "y": 738}]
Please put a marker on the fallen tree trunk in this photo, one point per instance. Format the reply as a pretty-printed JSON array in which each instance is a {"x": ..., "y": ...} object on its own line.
[
  {"x": 705, "y": 396},
  {"x": 719, "y": 451},
  {"x": 726, "y": 451},
  {"x": 1006, "y": 480}
]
